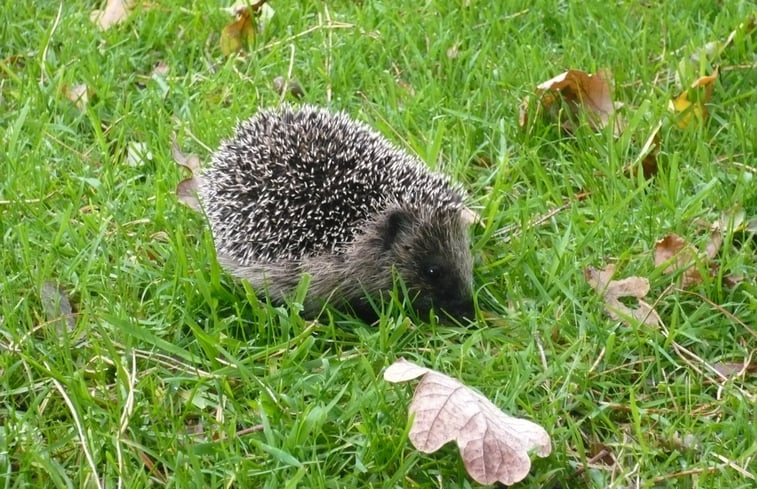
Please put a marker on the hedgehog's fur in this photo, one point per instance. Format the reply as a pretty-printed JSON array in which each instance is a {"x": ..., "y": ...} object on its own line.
[{"x": 308, "y": 191}]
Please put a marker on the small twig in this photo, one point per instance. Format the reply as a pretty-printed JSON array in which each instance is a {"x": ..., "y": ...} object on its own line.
[
  {"x": 82, "y": 437},
  {"x": 721, "y": 309},
  {"x": 126, "y": 416},
  {"x": 683, "y": 353},
  {"x": 513, "y": 230},
  {"x": 747, "y": 66},
  {"x": 256, "y": 6},
  {"x": 580, "y": 470},
  {"x": 81, "y": 155},
  {"x": 328, "y": 54},
  {"x": 196, "y": 139},
  {"x": 596, "y": 362},
  {"x": 288, "y": 79},
  {"x": 378, "y": 114},
  {"x": 336, "y": 25},
  {"x": 28, "y": 201},
  {"x": 684, "y": 473},
  {"x": 737, "y": 164},
  {"x": 251, "y": 429},
  {"x": 732, "y": 464},
  {"x": 42, "y": 68},
  {"x": 620, "y": 367},
  {"x": 542, "y": 355}
]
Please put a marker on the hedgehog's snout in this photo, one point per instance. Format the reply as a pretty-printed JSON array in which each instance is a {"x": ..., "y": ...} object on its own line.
[
  {"x": 462, "y": 310},
  {"x": 459, "y": 308}
]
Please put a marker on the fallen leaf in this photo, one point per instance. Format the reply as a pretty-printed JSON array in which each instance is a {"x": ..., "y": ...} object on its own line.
[
  {"x": 712, "y": 50},
  {"x": 574, "y": 93},
  {"x": 78, "y": 94},
  {"x": 187, "y": 189},
  {"x": 281, "y": 84},
  {"x": 115, "y": 12},
  {"x": 731, "y": 281},
  {"x": 137, "y": 154},
  {"x": 679, "y": 255},
  {"x": 693, "y": 101},
  {"x": 240, "y": 32},
  {"x": 190, "y": 162},
  {"x": 161, "y": 69},
  {"x": 612, "y": 290},
  {"x": 57, "y": 306},
  {"x": 647, "y": 157},
  {"x": 494, "y": 446},
  {"x": 454, "y": 51},
  {"x": 735, "y": 369}
]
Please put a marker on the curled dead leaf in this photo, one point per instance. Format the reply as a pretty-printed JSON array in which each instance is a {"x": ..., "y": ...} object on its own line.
[
  {"x": 78, "y": 94},
  {"x": 692, "y": 102},
  {"x": 494, "y": 446},
  {"x": 679, "y": 255},
  {"x": 238, "y": 33},
  {"x": 647, "y": 157},
  {"x": 114, "y": 12},
  {"x": 573, "y": 93},
  {"x": 612, "y": 290},
  {"x": 161, "y": 68},
  {"x": 187, "y": 189},
  {"x": 190, "y": 162},
  {"x": 282, "y": 85},
  {"x": 735, "y": 369},
  {"x": 57, "y": 307}
]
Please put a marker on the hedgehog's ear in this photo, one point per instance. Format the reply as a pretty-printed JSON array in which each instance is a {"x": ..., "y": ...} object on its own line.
[{"x": 395, "y": 222}]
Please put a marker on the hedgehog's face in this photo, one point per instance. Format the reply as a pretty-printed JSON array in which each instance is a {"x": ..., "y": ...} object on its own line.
[{"x": 431, "y": 252}]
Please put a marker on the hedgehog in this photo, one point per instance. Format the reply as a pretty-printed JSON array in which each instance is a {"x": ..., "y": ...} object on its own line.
[{"x": 310, "y": 191}]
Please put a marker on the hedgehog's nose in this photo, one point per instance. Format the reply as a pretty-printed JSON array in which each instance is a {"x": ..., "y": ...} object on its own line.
[{"x": 462, "y": 310}]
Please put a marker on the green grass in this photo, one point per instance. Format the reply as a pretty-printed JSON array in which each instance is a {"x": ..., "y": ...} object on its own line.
[{"x": 170, "y": 358}]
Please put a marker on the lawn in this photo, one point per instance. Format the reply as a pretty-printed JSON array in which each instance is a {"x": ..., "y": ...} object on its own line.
[{"x": 129, "y": 358}]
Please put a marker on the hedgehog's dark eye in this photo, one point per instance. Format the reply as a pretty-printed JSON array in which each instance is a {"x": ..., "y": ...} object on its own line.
[{"x": 432, "y": 272}]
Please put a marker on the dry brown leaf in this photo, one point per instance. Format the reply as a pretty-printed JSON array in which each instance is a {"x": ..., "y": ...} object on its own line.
[
  {"x": 281, "y": 84},
  {"x": 190, "y": 162},
  {"x": 115, "y": 12},
  {"x": 612, "y": 290},
  {"x": 647, "y": 157},
  {"x": 240, "y": 32},
  {"x": 494, "y": 446},
  {"x": 732, "y": 281},
  {"x": 187, "y": 189},
  {"x": 237, "y": 34},
  {"x": 161, "y": 68},
  {"x": 693, "y": 101},
  {"x": 736, "y": 369},
  {"x": 680, "y": 255},
  {"x": 78, "y": 94},
  {"x": 572, "y": 93}
]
